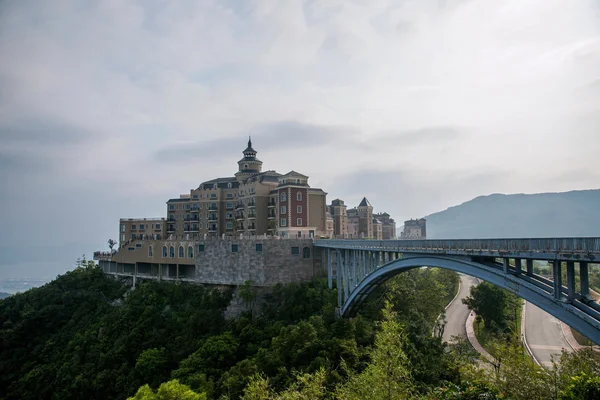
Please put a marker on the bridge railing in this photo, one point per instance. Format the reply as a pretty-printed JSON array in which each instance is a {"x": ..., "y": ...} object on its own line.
[{"x": 587, "y": 245}]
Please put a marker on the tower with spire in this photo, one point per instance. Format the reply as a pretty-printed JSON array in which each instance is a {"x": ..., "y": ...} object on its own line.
[{"x": 249, "y": 165}]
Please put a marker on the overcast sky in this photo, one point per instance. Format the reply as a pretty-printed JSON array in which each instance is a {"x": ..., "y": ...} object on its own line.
[{"x": 108, "y": 108}]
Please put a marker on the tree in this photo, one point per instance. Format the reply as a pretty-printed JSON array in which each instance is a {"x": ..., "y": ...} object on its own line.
[
  {"x": 582, "y": 387},
  {"x": 111, "y": 243},
  {"x": 489, "y": 301},
  {"x": 388, "y": 374},
  {"x": 172, "y": 390}
]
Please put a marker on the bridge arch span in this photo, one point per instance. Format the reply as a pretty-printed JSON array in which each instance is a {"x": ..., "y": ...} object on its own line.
[{"x": 560, "y": 309}]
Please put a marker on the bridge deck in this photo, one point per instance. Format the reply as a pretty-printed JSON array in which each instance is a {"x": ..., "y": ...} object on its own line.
[{"x": 568, "y": 249}]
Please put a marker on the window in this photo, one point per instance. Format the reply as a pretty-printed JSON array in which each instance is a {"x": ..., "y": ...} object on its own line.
[
  {"x": 283, "y": 222},
  {"x": 133, "y": 227},
  {"x": 295, "y": 250},
  {"x": 230, "y": 195},
  {"x": 122, "y": 227},
  {"x": 229, "y": 225},
  {"x": 213, "y": 206},
  {"x": 131, "y": 248},
  {"x": 172, "y": 252},
  {"x": 195, "y": 196},
  {"x": 201, "y": 247},
  {"x": 138, "y": 245},
  {"x": 229, "y": 215},
  {"x": 234, "y": 248},
  {"x": 229, "y": 205},
  {"x": 299, "y": 209},
  {"x": 283, "y": 209},
  {"x": 283, "y": 197},
  {"x": 229, "y": 186},
  {"x": 187, "y": 206},
  {"x": 122, "y": 238},
  {"x": 298, "y": 181},
  {"x": 133, "y": 236},
  {"x": 181, "y": 252},
  {"x": 164, "y": 251},
  {"x": 245, "y": 165},
  {"x": 299, "y": 222},
  {"x": 299, "y": 196},
  {"x": 171, "y": 206},
  {"x": 214, "y": 187},
  {"x": 259, "y": 247},
  {"x": 306, "y": 252},
  {"x": 142, "y": 227},
  {"x": 213, "y": 195},
  {"x": 200, "y": 206},
  {"x": 299, "y": 234},
  {"x": 158, "y": 236},
  {"x": 190, "y": 252},
  {"x": 149, "y": 251}
]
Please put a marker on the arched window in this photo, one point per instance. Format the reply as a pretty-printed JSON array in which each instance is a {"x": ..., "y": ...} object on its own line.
[
  {"x": 149, "y": 251},
  {"x": 181, "y": 252},
  {"x": 164, "y": 251},
  {"x": 190, "y": 252},
  {"x": 229, "y": 185},
  {"x": 172, "y": 252},
  {"x": 299, "y": 196},
  {"x": 306, "y": 252}
]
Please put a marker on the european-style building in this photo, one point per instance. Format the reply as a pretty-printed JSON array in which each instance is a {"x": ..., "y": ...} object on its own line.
[{"x": 360, "y": 222}]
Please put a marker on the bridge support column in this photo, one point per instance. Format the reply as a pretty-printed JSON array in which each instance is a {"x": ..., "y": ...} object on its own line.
[
  {"x": 570, "y": 280},
  {"x": 329, "y": 270},
  {"x": 584, "y": 282},
  {"x": 354, "y": 266},
  {"x": 346, "y": 274},
  {"x": 377, "y": 258},
  {"x": 556, "y": 270},
  {"x": 518, "y": 266},
  {"x": 505, "y": 265},
  {"x": 338, "y": 277},
  {"x": 529, "y": 267}
]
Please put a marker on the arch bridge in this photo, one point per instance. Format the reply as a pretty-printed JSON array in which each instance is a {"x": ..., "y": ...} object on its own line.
[{"x": 360, "y": 266}]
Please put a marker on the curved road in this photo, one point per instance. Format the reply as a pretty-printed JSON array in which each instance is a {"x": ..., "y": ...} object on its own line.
[
  {"x": 457, "y": 313},
  {"x": 543, "y": 334}
]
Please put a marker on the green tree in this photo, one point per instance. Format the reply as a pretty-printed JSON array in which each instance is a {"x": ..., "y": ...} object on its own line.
[
  {"x": 388, "y": 375},
  {"x": 172, "y": 390},
  {"x": 152, "y": 366},
  {"x": 490, "y": 302},
  {"x": 582, "y": 387}
]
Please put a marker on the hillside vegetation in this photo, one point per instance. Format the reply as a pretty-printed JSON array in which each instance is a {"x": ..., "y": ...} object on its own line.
[
  {"x": 568, "y": 214},
  {"x": 87, "y": 336}
]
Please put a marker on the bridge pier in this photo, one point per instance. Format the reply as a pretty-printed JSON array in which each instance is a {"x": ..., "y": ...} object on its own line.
[
  {"x": 557, "y": 279},
  {"x": 584, "y": 283},
  {"x": 329, "y": 269},
  {"x": 518, "y": 266},
  {"x": 570, "y": 280},
  {"x": 338, "y": 277},
  {"x": 529, "y": 267}
]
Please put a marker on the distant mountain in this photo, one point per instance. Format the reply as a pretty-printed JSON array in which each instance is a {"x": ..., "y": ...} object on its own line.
[
  {"x": 4, "y": 295},
  {"x": 575, "y": 213}
]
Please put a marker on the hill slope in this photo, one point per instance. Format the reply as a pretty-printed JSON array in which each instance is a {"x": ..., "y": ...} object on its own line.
[{"x": 575, "y": 213}]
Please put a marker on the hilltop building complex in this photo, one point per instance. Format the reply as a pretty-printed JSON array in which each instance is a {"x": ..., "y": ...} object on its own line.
[{"x": 360, "y": 222}]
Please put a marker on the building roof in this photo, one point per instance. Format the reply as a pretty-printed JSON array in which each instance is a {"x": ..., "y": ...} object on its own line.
[
  {"x": 178, "y": 200},
  {"x": 337, "y": 202},
  {"x": 294, "y": 173},
  {"x": 222, "y": 183},
  {"x": 249, "y": 149},
  {"x": 365, "y": 203}
]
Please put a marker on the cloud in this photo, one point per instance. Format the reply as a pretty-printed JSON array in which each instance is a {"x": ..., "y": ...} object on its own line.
[
  {"x": 272, "y": 136},
  {"x": 418, "y": 104}
]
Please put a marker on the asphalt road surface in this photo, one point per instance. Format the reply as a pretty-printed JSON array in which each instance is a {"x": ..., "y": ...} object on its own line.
[
  {"x": 457, "y": 313},
  {"x": 544, "y": 335}
]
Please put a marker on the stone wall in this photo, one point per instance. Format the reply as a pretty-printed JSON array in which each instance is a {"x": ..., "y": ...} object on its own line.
[{"x": 219, "y": 264}]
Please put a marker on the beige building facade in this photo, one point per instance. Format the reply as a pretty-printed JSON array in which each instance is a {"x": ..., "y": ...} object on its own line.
[
  {"x": 415, "y": 229},
  {"x": 360, "y": 222}
]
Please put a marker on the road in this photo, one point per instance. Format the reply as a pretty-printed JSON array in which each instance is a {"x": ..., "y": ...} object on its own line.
[
  {"x": 544, "y": 335},
  {"x": 457, "y": 312}
]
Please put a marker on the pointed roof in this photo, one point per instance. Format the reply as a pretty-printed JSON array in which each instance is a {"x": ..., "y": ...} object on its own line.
[
  {"x": 365, "y": 203},
  {"x": 249, "y": 148}
]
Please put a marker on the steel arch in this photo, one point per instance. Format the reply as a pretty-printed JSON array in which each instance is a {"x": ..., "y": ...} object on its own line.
[{"x": 562, "y": 310}]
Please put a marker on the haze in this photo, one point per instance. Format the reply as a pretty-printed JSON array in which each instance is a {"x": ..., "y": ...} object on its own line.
[{"x": 109, "y": 109}]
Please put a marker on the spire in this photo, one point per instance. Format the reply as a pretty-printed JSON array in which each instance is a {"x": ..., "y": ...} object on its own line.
[{"x": 249, "y": 141}]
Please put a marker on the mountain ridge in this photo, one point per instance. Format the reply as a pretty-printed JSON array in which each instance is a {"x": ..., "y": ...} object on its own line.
[{"x": 498, "y": 215}]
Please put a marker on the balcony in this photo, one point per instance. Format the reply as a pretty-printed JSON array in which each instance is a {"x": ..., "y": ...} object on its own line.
[
  {"x": 271, "y": 215},
  {"x": 241, "y": 228},
  {"x": 212, "y": 228},
  {"x": 252, "y": 228},
  {"x": 252, "y": 204},
  {"x": 213, "y": 208},
  {"x": 239, "y": 206},
  {"x": 195, "y": 210},
  {"x": 212, "y": 218},
  {"x": 251, "y": 215},
  {"x": 240, "y": 216},
  {"x": 272, "y": 203}
]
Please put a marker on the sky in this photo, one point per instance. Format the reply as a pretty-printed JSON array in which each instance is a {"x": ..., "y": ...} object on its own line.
[{"x": 109, "y": 108}]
